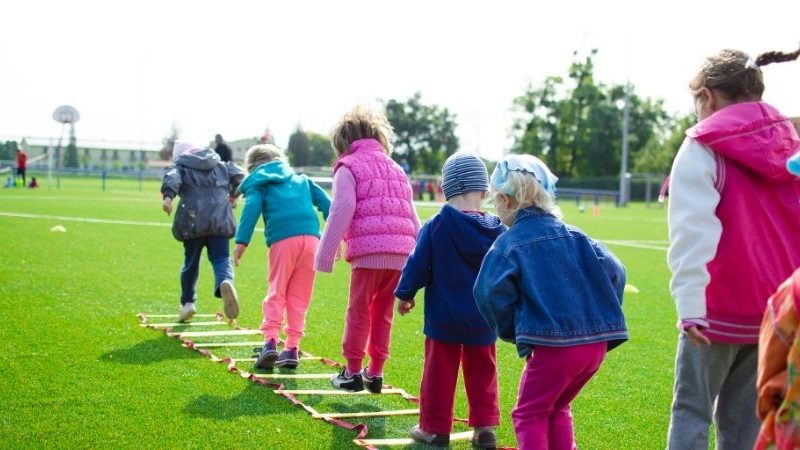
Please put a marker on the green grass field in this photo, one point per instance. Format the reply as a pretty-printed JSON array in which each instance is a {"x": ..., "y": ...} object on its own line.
[{"x": 76, "y": 370}]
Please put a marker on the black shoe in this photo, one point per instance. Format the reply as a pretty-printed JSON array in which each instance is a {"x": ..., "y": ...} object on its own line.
[
  {"x": 288, "y": 359},
  {"x": 373, "y": 384},
  {"x": 269, "y": 353},
  {"x": 423, "y": 437},
  {"x": 484, "y": 439},
  {"x": 352, "y": 383}
]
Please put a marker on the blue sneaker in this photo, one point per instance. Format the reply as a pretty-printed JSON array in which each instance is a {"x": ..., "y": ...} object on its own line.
[
  {"x": 269, "y": 353},
  {"x": 288, "y": 359}
]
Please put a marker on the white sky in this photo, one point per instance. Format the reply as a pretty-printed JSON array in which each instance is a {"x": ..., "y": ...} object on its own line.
[{"x": 233, "y": 67}]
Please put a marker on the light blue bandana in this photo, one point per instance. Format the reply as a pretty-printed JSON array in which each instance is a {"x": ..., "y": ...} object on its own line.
[
  {"x": 523, "y": 163},
  {"x": 793, "y": 164}
]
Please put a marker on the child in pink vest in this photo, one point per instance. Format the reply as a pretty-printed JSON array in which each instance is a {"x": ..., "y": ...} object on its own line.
[
  {"x": 372, "y": 211},
  {"x": 733, "y": 221}
]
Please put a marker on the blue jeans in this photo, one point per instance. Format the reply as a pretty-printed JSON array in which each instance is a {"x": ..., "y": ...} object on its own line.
[{"x": 218, "y": 255}]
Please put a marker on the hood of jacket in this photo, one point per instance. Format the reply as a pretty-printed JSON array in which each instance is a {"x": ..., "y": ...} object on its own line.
[
  {"x": 271, "y": 172},
  {"x": 471, "y": 236},
  {"x": 753, "y": 134},
  {"x": 204, "y": 159}
]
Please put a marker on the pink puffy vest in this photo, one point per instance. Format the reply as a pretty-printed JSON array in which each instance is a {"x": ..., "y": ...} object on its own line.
[
  {"x": 759, "y": 210},
  {"x": 384, "y": 219}
]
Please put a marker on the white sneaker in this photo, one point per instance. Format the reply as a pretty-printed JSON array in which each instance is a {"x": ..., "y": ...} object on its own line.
[
  {"x": 230, "y": 300},
  {"x": 186, "y": 312}
]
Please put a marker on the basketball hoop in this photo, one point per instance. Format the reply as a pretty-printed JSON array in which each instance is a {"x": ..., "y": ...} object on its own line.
[{"x": 66, "y": 114}]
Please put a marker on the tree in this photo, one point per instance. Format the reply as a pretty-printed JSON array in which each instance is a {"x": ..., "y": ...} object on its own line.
[
  {"x": 575, "y": 124},
  {"x": 85, "y": 158},
  {"x": 299, "y": 149},
  {"x": 168, "y": 142},
  {"x": 7, "y": 151},
  {"x": 424, "y": 134},
  {"x": 71, "y": 155},
  {"x": 660, "y": 150},
  {"x": 322, "y": 154}
]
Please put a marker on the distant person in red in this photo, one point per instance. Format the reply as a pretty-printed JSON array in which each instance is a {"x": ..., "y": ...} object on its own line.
[
  {"x": 222, "y": 149},
  {"x": 22, "y": 160},
  {"x": 34, "y": 184},
  {"x": 663, "y": 192}
]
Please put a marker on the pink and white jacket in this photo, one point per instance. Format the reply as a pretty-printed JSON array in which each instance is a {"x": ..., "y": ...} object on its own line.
[
  {"x": 372, "y": 210},
  {"x": 734, "y": 219}
]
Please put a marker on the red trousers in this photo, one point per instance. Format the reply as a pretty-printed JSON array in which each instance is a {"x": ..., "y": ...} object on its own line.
[
  {"x": 440, "y": 374},
  {"x": 368, "y": 325}
]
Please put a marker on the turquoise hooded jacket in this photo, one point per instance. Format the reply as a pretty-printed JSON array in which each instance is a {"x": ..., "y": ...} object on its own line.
[{"x": 285, "y": 200}]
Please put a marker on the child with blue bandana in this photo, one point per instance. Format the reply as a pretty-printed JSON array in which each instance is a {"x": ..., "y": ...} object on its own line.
[{"x": 555, "y": 293}]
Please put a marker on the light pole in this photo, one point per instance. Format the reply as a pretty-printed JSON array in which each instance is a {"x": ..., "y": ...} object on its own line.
[
  {"x": 64, "y": 115},
  {"x": 623, "y": 170}
]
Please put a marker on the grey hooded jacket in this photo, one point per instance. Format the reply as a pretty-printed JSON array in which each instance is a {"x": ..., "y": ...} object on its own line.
[{"x": 204, "y": 184}]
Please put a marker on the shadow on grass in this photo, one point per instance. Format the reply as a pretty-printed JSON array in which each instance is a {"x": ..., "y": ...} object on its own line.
[
  {"x": 375, "y": 426},
  {"x": 162, "y": 348},
  {"x": 255, "y": 400}
]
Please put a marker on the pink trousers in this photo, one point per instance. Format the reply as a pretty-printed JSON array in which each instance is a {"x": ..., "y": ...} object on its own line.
[
  {"x": 368, "y": 324},
  {"x": 438, "y": 387},
  {"x": 552, "y": 378},
  {"x": 291, "y": 282}
]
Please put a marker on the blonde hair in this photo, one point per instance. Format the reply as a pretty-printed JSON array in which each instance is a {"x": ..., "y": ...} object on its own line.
[
  {"x": 361, "y": 122},
  {"x": 527, "y": 192},
  {"x": 735, "y": 75},
  {"x": 261, "y": 154}
]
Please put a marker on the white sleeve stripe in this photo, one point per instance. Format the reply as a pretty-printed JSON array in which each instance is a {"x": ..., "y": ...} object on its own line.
[{"x": 694, "y": 228}]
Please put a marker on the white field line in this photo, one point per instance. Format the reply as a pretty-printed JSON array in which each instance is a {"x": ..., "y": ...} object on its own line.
[
  {"x": 150, "y": 199},
  {"x": 636, "y": 244},
  {"x": 90, "y": 220},
  {"x": 623, "y": 243},
  {"x": 85, "y": 219}
]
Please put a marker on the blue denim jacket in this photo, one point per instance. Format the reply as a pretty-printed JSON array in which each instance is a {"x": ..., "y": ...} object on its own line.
[{"x": 546, "y": 283}]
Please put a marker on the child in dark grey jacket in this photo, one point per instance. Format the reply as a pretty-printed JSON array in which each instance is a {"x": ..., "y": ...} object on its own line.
[{"x": 204, "y": 218}]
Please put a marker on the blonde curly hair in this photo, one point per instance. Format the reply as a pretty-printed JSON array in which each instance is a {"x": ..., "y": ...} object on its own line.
[
  {"x": 361, "y": 122},
  {"x": 261, "y": 154}
]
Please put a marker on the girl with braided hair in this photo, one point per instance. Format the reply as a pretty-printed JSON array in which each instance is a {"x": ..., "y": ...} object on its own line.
[{"x": 733, "y": 221}]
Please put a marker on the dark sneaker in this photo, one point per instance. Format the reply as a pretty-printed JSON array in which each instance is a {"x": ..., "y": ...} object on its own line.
[
  {"x": 269, "y": 353},
  {"x": 230, "y": 300},
  {"x": 373, "y": 384},
  {"x": 484, "y": 438},
  {"x": 288, "y": 359},
  {"x": 423, "y": 437},
  {"x": 352, "y": 383}
]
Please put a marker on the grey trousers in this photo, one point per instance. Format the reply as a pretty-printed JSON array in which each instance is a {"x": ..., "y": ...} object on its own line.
[{"x": 718, "y": 377}]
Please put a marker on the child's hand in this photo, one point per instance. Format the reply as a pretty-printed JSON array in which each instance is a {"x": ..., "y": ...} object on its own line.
[
  {"x": 405, "y": 306},
  {"x": 338, "y": 253},
  {"x": 238, "y": 252},
  {"x": 696, "y": 336},
  {"x": 167, "y": 206}
]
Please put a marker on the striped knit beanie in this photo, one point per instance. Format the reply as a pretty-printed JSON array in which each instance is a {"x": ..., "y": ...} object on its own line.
[{"x": 462, "y": 173}]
